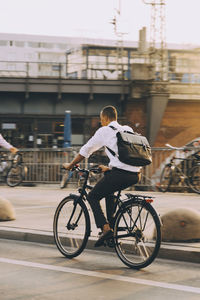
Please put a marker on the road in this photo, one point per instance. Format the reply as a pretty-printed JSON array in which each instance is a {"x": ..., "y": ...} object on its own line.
[{"x": 38, "y": 271}]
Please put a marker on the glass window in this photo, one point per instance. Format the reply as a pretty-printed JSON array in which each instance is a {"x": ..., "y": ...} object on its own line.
[
  {"x": 58, "y": 127},
  {"x": 3, "y": 43},
  {"x": 33, "y": 44},
  {"x": 19, "y": 44},
  {"x": 47, "y": 45}
]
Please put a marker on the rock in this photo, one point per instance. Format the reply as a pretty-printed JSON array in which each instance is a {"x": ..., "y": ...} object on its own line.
[
  {"x": 182, "y": 224},
  {"x": 7, "y": 212}
]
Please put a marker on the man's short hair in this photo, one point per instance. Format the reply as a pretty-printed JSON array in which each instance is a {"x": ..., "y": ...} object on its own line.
[{"x": 110, "y": 112}]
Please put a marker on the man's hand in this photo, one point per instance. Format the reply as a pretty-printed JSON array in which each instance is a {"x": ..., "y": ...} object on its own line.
[
  {"x": 75, "y": 161},
  {"x": 14, "y": 150},
  {"x": 67, "y": 166},
  {"x": 104, "y": 168}
]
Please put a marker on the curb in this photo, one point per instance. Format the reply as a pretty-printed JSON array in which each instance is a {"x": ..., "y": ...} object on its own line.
[{"x": 178, "y": 252}]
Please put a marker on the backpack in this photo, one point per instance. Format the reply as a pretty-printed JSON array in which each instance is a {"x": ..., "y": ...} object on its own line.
[{"x": 133, "y": 148}]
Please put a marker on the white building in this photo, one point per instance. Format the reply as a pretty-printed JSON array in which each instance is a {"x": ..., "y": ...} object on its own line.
[{"x": 36, "y": 55}]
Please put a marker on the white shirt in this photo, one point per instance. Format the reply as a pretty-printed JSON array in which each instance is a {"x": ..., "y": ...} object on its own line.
[
  {"x": 4, "y": 144},
  {"x": 106, "y": 136}
]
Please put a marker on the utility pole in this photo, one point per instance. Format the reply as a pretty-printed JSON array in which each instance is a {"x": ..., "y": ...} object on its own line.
[
  {"x": 119, "y": 44},
  {"x": 157, "y": 47}
]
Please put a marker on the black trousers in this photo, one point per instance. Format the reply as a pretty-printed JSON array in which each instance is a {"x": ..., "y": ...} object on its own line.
[{"x": 113, "y": 180}]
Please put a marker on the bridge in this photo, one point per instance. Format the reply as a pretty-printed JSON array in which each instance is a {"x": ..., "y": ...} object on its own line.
[{"x": 145, "y": 102}]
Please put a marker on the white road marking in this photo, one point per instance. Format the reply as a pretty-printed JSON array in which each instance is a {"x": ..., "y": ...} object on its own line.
[{"x": 158, "y": 284}]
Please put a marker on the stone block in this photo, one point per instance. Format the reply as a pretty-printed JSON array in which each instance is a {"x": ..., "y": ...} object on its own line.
[
  {"x": 7, "y": 212},
  {"x": 181, "y": 224}
]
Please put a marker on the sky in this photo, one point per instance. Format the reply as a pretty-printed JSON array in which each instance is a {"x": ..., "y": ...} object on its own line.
[{"x": 92, "y": 18}]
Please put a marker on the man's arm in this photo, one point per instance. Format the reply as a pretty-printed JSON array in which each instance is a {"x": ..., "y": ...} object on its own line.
[
  {"x": 94, "y": 143},
  {"x": 6, "y": 145},
  {"x": 75, "y": 161}
]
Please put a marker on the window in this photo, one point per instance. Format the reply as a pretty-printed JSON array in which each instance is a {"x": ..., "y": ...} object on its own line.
[
  {"x": 44, "y": 127},
  {"x": 33, "y": 44},
  {"x": 19, "y": 44},
  {"x": 47, "y": 45},
  {"x": 3, "y": 43},
  {"x": 58, "y": 127}
]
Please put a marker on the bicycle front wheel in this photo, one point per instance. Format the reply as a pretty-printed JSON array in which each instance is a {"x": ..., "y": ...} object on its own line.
[
  {"x": 194, "y": 179},
  {"x": 14, "y": 176},
  {"x": 71, "y": 226},
  {"x": 137, "y": 234},
  {"x": 165, "y": 178}
]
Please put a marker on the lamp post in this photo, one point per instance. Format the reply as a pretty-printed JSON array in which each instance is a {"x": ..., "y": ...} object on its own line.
[{"x": 67, "y": 129}]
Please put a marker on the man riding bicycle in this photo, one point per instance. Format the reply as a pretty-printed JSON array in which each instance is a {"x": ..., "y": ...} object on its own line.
[{"x": 117, "y": 176}]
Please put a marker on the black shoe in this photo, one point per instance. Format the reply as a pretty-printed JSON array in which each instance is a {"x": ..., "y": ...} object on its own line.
[{"x": 104, "y": 236}]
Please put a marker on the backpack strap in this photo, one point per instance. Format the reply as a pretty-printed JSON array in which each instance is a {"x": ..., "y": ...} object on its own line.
[{"x": 111, "y": 151}]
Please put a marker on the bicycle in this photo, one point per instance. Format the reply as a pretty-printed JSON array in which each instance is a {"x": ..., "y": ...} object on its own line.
[
  {"x": 4, "y": 165},
  {"x": 67, "y": 175},
  {"x": 173, "y": 174},
  {"x": 136, "y": 227},
  {"x": 17, "y": 171}
]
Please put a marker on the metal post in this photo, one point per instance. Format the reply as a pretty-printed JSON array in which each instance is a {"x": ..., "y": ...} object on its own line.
[{"x": 67, "y": 129}]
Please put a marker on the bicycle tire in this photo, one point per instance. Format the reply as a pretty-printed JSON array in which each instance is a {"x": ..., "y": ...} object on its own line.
[
  {"x": 194, "y": 179},
  {"x": 137, "y": 245},
  {"x": 14, "y": 176},
  {"x": 71, "y": 237},
  {"x": 165, "y": 178}
]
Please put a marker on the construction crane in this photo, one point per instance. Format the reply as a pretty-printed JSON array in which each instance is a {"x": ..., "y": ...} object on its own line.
[{"x": 157, "y": 45}]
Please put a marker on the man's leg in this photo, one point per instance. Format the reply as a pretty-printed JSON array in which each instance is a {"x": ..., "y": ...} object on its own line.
[
  {"x": 112, "y": 181},
  {"x": 100, "y": 190},
  {"x": 110, "y": 208}
]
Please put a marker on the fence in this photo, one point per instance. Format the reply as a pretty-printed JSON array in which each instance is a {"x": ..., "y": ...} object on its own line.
[
  {"x": 94, "y": 70},
  {"x": 44, "y": 165}
]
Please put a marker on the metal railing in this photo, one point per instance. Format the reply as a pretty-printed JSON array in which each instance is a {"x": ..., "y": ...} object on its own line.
[
  {"x": 44, "y": 165},
  {"x": 92, "y": 70}
]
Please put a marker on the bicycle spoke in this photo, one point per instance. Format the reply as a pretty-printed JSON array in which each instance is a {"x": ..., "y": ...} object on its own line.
[
  {"x": 194, "y": 179},
  {"x": 137, "y": 245},
  {"x": 71, "y": 227},
  {"x": 165, "y": 178},
  {"x": 14, "y": 176}
]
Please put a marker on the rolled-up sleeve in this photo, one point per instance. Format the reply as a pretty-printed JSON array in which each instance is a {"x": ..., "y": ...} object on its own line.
[
  {"x": 4, "y": 144},
  {"x": 95, "y": 143}
]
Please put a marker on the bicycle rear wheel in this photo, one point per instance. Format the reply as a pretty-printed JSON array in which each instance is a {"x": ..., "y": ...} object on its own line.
[
  {"x": 14, "y": 176},
  {"x": 137, "y": 234},
  {"x": 71, "y": 226},
  {"x": 194, "y": 179},
  {"x": 165, "y": 178}
]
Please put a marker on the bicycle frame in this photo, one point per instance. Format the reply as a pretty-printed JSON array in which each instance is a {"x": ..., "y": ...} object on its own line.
[
  {"x": 134, "y": 219},
  {"x": 119, "y": 203}
]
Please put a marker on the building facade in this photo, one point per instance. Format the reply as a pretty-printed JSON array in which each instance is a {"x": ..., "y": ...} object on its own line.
[{"x": 41, "y": 77}]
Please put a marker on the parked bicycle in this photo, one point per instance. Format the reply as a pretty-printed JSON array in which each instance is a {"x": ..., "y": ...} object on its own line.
[
  {"x": 4, "y": 165},
  {"x": 175, "y": 173},
  {"x": 136, "y": 230},
  {"x": 17, "y": 171}
]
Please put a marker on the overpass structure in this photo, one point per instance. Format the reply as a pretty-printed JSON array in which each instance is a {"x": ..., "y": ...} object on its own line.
[{"x": 28, "y": 97}]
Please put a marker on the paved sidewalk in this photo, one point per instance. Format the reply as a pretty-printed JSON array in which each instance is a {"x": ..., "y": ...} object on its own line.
[{"x": 35, "y": 207}]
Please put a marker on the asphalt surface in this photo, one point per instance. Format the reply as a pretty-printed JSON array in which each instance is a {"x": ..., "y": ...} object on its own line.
[
  {"x": 35, "y": 207},
  {"x": 37, "y": 271}
]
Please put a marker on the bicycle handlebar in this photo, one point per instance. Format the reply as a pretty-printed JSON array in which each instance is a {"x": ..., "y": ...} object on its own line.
[
  {"x": 175, "y": 148},
  {"x": 94, "y": 169}
]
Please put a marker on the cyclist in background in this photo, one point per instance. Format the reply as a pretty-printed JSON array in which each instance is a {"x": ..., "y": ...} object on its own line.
[
  {"x": 117, "y": 176},
  {"x": 6, "y": 145}
]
